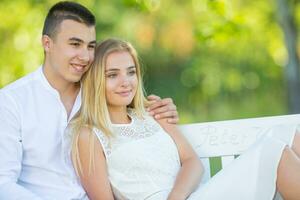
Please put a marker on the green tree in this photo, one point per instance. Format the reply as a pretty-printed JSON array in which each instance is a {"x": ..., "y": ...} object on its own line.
[
  {"x": 286, "y": 16},
  {"x": 217, "y": 59}
]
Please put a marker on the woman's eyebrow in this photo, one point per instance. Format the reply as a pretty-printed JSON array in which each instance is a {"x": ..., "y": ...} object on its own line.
[{"x": 117, "y": 69}]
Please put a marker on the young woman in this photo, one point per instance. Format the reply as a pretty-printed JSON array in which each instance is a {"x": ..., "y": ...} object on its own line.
[{"x": 120, "y": 152}]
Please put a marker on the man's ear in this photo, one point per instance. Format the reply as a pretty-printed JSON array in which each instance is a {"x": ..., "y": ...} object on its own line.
[{"x": 46, "y": 42}]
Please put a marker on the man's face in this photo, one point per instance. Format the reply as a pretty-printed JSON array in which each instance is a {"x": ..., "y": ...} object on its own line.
[{"x": 71, "y": 51}]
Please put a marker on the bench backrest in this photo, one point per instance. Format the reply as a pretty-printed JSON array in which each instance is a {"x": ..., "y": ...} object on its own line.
[{"x": 218, "y": 143}]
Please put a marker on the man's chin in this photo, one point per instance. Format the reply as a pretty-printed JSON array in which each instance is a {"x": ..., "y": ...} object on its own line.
[{"x": 75, "y": 79}]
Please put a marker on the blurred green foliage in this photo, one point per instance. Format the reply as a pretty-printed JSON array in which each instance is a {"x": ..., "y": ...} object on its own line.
[{"x": 218, "y": 59}]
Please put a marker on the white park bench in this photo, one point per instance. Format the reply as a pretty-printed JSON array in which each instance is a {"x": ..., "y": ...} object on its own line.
[{"x": 218, "y": 143}]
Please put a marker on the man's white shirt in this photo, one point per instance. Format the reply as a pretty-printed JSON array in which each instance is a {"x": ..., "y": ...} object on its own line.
[{"x": 34, "y": 161}]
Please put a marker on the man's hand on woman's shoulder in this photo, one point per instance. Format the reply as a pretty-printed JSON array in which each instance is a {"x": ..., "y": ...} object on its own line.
[{"x": 163, "y": 108}]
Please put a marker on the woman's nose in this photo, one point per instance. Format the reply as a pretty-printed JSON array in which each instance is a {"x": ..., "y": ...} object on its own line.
[{"x": 125, "y": 81}]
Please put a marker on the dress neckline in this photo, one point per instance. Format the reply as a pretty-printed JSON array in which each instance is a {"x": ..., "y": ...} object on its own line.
[{"x": 130, "y": 115}]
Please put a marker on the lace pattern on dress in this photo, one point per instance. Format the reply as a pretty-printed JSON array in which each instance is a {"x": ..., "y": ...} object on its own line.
[
  {"x": 140, "y": 128},
  {"x": 104, "y": 140}
]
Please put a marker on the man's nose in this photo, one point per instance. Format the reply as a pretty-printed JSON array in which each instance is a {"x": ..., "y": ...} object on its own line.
[{"x": 84, "y": 55}]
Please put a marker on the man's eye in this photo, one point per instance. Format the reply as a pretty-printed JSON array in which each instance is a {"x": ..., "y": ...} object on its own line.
[
  {"x": 91, "y": 46},
  {"x": 75, "y": 44}
]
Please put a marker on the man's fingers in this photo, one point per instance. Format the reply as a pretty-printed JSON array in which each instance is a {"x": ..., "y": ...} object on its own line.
[
  {"x": 153, "y": 97},
  {"x": 155, "y": 105},
  {"x": 174, "y": 120},
  {"x": 171, "y": 116},
  {"x": 160, "y": 103},
  {"x": 168, "y": 114},
  {"x": 163, "y": 109}
]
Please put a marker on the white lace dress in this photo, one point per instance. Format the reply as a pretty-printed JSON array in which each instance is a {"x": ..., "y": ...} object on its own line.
[{"x": 143, "y": 163}]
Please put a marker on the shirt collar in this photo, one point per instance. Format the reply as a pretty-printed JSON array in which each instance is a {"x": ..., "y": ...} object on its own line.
[
  {"x": 76, "y": 105},
  {"x": 40, "y": 74}
]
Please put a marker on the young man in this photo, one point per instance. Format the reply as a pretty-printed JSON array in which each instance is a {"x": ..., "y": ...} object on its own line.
[{"x": 36, "y": 109}]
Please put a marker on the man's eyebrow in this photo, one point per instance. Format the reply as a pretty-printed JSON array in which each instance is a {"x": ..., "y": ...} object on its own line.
[
  {"x": 75, "y": 39},
  {"x": 93, "y": 42}
]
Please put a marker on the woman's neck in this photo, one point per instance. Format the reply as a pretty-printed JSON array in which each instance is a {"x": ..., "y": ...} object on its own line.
[{"x": 118, "y": 115}]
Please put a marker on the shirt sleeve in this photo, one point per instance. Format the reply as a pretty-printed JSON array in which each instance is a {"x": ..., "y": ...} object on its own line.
[{"x": 11, "y": 151}]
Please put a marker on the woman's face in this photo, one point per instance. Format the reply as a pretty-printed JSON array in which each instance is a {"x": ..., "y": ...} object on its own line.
[{"x": 121, "y": 79}]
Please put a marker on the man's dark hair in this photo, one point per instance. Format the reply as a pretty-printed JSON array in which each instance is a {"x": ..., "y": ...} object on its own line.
[{"x": 66, "y": 10}]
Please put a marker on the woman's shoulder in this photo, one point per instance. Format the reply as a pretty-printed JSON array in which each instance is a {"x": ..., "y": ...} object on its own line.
[
  {"x": 84, "y": 135},
  {"x": 103, "y": 139},
  {"x": 99, "y": 133},
  {"x": 84, "y": 132}
]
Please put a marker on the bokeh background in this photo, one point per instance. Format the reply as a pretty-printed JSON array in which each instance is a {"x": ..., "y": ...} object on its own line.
[{"x": 217, "y": 59}]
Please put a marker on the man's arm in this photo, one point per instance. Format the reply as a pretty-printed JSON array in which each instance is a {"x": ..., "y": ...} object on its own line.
[
  {"x": 11, "y": 152},
  {"x": 163, "y": 109}
]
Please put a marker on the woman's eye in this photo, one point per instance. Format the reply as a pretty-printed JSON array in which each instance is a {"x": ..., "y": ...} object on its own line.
[
  {"x": 111, "y": 75},
  {"x": 133, "y": 72}
]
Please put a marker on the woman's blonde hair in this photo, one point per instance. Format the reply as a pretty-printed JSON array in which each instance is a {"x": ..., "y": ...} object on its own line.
[{"x": 94, "y": 111}]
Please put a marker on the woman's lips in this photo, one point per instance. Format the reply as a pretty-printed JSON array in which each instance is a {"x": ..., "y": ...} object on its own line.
[{"x": 124, "y": 93}]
